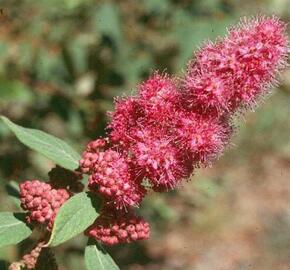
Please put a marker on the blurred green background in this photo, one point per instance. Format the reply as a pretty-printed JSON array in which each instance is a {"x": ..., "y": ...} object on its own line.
[{"x": 62, "y": 62}]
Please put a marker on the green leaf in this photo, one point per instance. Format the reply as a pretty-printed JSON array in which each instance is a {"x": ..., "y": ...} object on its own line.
[
  {"x": 51, "y": 147},
  {"x": 96, "y": 257},
  {"x": 13, "y": 228},
  {"x": 75, "y": 215}
]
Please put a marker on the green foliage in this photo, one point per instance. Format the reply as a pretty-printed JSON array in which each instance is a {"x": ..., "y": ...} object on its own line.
[
  {"x": 13, "y": 228},
  {"x": 74, "y": 217},
  {"x": 97, "y": 258},
  {"x": 51, "y": 147}
]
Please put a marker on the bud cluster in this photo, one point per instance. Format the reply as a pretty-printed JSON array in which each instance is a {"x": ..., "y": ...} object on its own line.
[
  {"x": 118, "y": 227},
  {"x": 113, "y": 179},
  {"x": 40, "y": 257},
  {"x": 30, "y": 260},
  {"x": 42, "y": 201}
]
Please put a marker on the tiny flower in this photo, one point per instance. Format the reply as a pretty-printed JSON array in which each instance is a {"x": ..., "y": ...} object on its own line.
[
  {"x": 160, "y": 99},
  {"x": 127, "y": 118},
  {"x": 161, "y": 159},
  {"x": 204, "y": 137},
  {"x": 30, "y": 259}
]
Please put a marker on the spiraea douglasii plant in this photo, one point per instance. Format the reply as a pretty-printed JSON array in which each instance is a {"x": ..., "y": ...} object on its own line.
[{"x": 155, "y": 141}]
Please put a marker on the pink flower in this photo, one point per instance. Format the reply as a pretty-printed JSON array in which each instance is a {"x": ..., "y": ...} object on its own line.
[
  {"x": 160, "y": 99},
  {"x": 235, "y": 71},
  {"x": 161, "y": 159},
  {"x": 156, "y": 104},
  {"x": 127, "y": 118},
  {"x": 31, "y": 260},
  {"x": 204, "y": 137}
]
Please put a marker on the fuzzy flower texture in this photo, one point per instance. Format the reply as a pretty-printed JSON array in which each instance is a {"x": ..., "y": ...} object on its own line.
[{"x": 173, "y": 126}]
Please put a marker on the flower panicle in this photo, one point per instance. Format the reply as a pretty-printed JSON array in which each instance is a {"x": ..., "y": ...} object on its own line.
[{"x": 173, "y": 126}]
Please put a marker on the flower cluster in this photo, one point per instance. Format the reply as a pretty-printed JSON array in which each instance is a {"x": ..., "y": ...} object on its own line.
[
  {"x": 173, "y": 126},
  {"x": 41, "y": 201}
]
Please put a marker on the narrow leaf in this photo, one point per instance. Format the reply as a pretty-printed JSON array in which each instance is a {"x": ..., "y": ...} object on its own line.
[
  {"x": 51, "y": 147},
  {"x": 96, "y": 257},
  {"x": 13, "y": 228},
  {"x": 78, "y": 213}
]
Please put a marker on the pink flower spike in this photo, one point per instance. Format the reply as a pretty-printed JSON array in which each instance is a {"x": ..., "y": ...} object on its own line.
[{"x": 235, "y": 71}]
